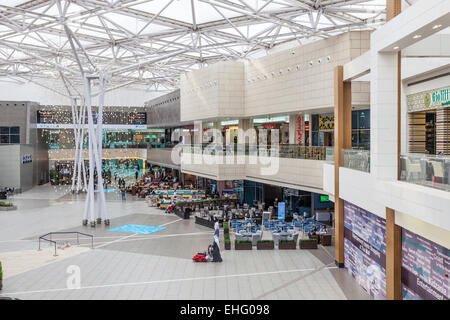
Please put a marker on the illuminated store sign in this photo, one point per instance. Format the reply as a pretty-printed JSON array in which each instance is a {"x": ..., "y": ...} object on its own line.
[
  {"x": 46, "y": 116},
  {"x": 300, "y": 129},
  {"x": 326, "y": 122},
  {"x": 429, "y": 100},
  {"x": 137, "y": 118}
]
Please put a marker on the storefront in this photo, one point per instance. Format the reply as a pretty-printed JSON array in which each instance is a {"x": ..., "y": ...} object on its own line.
[
  {"x": 230, "y": 131},
  {"x": 322, "y": 129},
  {"x": 429, "y": 122},
  {"x": 280, "y": 123},
  {"x": 361, "y": 129}
]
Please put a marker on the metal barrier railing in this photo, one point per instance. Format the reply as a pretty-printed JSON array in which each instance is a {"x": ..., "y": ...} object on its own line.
[{"x": 66, "y": 232}]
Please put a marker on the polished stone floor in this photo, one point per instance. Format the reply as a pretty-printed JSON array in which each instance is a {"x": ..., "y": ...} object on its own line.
[{"x": 157, "y": 265}]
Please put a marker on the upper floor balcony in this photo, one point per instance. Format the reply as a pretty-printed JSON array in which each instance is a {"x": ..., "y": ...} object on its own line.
[
  {"x": 427, "y": 170},
  {"x": 291, "y": 166}
]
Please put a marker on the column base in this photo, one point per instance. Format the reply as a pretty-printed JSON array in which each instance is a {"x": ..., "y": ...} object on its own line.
[{"x": 339, "y": 264}]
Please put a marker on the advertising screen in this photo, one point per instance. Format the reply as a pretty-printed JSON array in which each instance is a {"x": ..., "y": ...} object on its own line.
[
  {"x": 44, "y": 116},
  {"x": 137, "y": 118},
  {"x": 425, "y": 268},
  {"x": 365, "y": 249}
]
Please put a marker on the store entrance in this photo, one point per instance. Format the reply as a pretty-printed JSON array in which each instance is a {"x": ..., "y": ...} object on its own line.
[
  {"x": 328, "y": 139},
  {"x": 430, "y": 132}
]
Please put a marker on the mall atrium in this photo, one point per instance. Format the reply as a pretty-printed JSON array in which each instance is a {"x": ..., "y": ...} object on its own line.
[{"x": 224, "y": 150}]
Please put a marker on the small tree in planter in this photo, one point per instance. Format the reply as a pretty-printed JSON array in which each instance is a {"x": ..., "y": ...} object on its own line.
[
  {"x": 226, "y": 227},
  {"x": 227, "y": 241},
  {"x": 1, "y": 276},
  {"x": 286, "y": 244},
  {"x": 265, "y": 245},
  {"x": 243, "y": 245},
  {"x": 308, "y": 244}
]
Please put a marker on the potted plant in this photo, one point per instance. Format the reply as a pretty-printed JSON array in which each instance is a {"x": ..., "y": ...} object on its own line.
[
  {"x": 265, "y": 245},
  {"x": 286, "y": 244},
  {"x": 226, "y": 228},
  {"x": 243, "y": 244},
  {"x": 308, "y": 244},
  {"x": 52, "y": 177},
  {"x": 227, "y": 241},
  {"x": 1, "y": 276}
]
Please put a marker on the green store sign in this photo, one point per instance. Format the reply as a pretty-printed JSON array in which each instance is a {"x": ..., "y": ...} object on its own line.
[
  {"x": 438, "y": 97},
  {"x": 429, "y": 100}
]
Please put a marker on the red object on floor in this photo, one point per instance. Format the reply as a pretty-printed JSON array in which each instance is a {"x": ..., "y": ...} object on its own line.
[{"x": 200, "y": 257}]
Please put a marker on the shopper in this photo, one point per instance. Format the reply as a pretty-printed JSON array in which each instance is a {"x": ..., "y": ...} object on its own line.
[
  {"x": 123, "y": 194},
  {"x": 323, "y": 229},
  {"x": 216, "y": 249},
  {"x": 136, "y": 174}
]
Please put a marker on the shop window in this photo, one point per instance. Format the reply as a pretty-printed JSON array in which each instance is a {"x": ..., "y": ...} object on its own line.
[
  {"x": 14, "y": 138},
  {"x": 354, "y": 120},
  {"x": 361, "y": 129},
  {"x": 4, "y": 138},
  {"x": 14, "y": 130},
  {"x": 9, "y": 135}
]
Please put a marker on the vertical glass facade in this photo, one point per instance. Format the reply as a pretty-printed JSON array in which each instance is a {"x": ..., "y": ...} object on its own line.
[{"x": 361, "y": 129}]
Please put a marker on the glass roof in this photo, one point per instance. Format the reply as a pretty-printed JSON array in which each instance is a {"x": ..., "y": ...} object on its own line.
[{"x": 157, "y": 40}]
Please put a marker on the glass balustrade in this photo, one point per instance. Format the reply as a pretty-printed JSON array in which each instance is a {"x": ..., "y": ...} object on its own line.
[
  {"x": 112, "y": 145},
  {"x": 357, "y": 159},
  {"x": 428, "y": 170},
  {"x": 282, "y": 151}
]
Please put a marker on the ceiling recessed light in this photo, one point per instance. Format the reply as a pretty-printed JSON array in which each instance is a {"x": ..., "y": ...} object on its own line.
[
  {"x": 395, "y": 48},
  {"x": 417, "y": 36},
  {"x": 437, "y": 26}
]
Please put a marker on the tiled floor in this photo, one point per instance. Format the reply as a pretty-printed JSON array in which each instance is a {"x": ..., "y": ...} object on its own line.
[{"x": 158, "y": 265}]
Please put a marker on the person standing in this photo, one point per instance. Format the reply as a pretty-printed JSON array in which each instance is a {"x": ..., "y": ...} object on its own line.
[
  {"x": 136, "y": 174},
  {"x": 123, "y": 194},
  {"x": 216, "y": 249}
]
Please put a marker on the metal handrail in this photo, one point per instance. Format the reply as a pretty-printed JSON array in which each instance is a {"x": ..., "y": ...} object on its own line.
[{"x": 65, "y": 232}]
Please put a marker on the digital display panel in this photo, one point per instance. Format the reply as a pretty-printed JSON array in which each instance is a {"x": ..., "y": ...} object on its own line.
[
  {"x": 425, "y": 268},
  {"x": 365, "y": 249}
]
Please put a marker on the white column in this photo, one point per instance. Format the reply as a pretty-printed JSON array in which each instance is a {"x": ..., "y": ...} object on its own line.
[
  {"x": 383, "y": 115},
  {"x": 293, "y": 129}
]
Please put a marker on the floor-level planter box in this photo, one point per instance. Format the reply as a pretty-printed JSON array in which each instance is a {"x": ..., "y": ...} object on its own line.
[
  {"x": 204, "y": 222},
  {"x": 243, "y": 245},
  {"x": 282, "y": 245},
  {"x": 183, "y": 213},
  {"x": 11, "y": 208},
  {"x": 308, "y": 244},
  {"x": 265, "y": 245},
  {"x": 227, "y": 245}
]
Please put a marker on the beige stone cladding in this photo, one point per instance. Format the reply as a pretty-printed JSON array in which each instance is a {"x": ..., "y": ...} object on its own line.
[
  {"x": 289, "y": 81},
  {"x": 302, "y": 78},
  {"x": 216, "y": 91}
]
